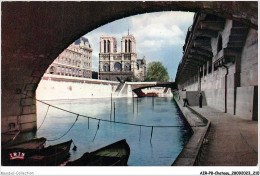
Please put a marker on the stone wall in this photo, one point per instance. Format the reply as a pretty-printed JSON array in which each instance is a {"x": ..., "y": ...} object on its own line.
[
  {"x": 215, "y": 98},
  {"x": 52, "y": 89},
  {"x": 245, "y": 98},
  {"x": 192, "y": 97},
  {"x": 241, "y": 100},
  {"x": 249, "y": 60}
]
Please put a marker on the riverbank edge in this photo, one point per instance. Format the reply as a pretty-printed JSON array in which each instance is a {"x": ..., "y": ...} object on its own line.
[{"x": 190, "y": 154}]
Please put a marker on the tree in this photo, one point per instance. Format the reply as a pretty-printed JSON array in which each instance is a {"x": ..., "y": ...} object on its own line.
[{"x": 157, "y": 72}]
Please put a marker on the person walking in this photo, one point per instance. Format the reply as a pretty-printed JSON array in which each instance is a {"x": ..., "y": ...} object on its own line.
[
  {"x": 185, "y": 100},
  {"x": 200, "y": 100}
]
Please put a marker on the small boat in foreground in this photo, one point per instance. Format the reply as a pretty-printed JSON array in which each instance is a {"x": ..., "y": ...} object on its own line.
[
  {"x": 9, "y": 136},
  {"x": 53, "y": 155},
  {"x": 33, "y": 144},
  {"x": 26, "y": 148},
  {"x": 115, "y": 154}
]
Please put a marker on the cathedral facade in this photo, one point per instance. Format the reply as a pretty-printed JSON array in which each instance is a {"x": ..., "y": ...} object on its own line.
[{"x": 123, "y": 66}]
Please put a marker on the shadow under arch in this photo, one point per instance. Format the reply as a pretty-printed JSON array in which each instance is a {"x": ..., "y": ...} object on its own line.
[{"x": 31, "y": 41}]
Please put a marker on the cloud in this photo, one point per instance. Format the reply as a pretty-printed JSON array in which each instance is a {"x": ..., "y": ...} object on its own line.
[
  {"x": 162, "y": 18},
  {"x": 159, "y": 36},
  {"x": 94, "y": 66},
  {"x": 156, "y": 30}
]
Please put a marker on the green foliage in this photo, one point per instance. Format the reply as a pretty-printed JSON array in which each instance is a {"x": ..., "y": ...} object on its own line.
[{"x": 157, "y": 72}]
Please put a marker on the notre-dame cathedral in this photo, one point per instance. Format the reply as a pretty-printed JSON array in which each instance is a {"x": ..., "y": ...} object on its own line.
[{"x": 123, "y": 66}]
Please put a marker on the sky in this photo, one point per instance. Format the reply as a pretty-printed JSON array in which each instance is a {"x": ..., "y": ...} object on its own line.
[{"x": 159, "y": 36}]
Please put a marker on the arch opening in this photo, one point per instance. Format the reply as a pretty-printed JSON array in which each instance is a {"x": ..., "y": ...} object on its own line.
[{"x": 25, "y": 74}]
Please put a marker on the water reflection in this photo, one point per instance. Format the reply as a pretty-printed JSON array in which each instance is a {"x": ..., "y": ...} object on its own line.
[{"x": 165, "y": 145}]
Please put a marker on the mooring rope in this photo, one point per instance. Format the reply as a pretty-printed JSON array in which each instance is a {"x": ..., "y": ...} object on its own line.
[
  {"x": 111, "y": 121},
  {"x": 104, "y": 120},
  {"x": 66, "y": 131},
  {"x": 44, "y": 118},
  {"x": 151, "y": 135},
  {"x": 96, "y": 131}
]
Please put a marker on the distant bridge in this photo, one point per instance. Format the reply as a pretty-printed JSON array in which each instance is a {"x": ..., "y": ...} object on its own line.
[
  {"x": 129, "y": 87},
  {"x": 143, "y": 85}
]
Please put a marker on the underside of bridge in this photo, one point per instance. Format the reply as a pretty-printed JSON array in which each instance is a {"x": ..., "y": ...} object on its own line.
[
  {"x": 35, "y": 33},
  {"x": 137, "y": 87}
]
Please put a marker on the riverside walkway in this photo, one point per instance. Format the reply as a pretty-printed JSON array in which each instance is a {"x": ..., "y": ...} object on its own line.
[{"x": 231, "y": 141}]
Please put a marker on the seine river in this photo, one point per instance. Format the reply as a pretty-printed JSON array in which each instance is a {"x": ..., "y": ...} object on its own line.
[{"x": 165, "y": 145}]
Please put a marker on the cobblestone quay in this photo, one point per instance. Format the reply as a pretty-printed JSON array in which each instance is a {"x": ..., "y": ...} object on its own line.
[{"x": 230, "y": 141}]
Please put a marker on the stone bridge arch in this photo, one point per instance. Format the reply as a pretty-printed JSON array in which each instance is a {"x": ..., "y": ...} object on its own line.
[
  {"x": 31, "y": 41},
  {"x": 143, "y": 85},
  {"x": 137, "y": 87}
]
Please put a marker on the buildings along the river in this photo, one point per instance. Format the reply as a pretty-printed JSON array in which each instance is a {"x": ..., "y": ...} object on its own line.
[{"x": 74, "y": 61}]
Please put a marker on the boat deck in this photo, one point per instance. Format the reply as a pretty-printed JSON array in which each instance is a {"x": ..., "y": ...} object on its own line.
[{"x": 9, "y": 136}]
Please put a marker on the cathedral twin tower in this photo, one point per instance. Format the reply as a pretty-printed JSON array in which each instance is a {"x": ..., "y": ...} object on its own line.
[{"x": 122, "y": 66}]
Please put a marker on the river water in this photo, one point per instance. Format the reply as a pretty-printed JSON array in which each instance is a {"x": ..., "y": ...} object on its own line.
[{"x": 165, "y": 145}]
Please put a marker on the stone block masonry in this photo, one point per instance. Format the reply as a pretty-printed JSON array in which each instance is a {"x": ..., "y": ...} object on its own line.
[
  {"x": 230, "y": 76},
  {"x": 245, "y": 102}
]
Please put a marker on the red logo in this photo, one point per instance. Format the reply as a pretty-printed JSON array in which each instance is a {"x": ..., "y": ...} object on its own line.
[{"x": 16, "y": 155}]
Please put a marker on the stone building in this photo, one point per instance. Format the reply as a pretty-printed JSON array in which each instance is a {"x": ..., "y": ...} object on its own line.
[
  {"x": 140, "y": 71},
  {"x": 221, "y": 60},
  {"x": 122, "y": 66},
  {"x": 74, "y": 61}
]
